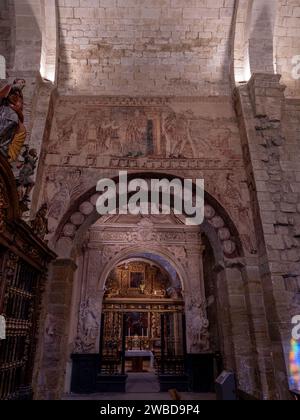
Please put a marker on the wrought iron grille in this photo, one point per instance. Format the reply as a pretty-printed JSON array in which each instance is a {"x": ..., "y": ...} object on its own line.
[{"x": 20, "y": 283}]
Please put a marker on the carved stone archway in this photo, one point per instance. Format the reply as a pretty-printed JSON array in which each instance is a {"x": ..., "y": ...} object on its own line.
[
  {"x": 82, "y": 214},
  {"x": 72, "y": 241}
]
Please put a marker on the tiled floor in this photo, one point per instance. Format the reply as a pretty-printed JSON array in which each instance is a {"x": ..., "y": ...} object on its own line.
[{"x": 142, "y": 383}]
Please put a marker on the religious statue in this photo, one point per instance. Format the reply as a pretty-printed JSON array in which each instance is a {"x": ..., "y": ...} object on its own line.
[
  {"x": 12, "y": 130},
  {"x": 24, "y": 181},
  {"x": 198, "y": 327},
  {"x": 88, "y": 326},
  {"x": 40, "y": 223}
]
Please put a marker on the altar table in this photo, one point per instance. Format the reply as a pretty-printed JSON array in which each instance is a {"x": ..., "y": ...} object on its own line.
[{"x": 137, "y": 357}]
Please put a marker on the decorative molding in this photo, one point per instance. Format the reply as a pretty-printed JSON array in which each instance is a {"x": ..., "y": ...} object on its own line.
[{"x": 142, "y": 101}]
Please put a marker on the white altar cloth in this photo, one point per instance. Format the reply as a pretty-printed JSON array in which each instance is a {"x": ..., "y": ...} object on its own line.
[{"x": 130, "y": 354}]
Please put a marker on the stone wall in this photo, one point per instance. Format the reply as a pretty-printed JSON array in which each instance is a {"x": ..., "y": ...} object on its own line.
[
  {"x": 270, "y": 136},
  {"x": 5, "y": 30},
  {"x": 287, "y": 45},
  {"x": 148, "y": 89},
  {"x": 128, "y": 47},
  {"x": 291, "y": 203},
  {"x": 190, "y": 138}
]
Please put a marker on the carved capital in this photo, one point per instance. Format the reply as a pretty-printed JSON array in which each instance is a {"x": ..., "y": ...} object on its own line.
[{"x": 267, "y": 95}]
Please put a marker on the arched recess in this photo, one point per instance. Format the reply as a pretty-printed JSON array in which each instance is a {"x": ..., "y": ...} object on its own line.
[
  {"x": 131, "y": 252},
  {"x": 254, "y": 38},
  {"x": 239, "y": 333},
  {"x": 228, "y": 265}
]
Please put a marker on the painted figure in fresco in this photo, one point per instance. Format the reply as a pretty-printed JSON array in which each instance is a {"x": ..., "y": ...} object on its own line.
[
  {"x": 12, "y": 130},
  {"x": 136, "y": 135}
]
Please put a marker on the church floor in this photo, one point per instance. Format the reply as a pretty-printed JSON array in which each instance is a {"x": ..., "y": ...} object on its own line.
[
  {"x": 141, "y": 387},
  {"x": 139, "y": 397}
]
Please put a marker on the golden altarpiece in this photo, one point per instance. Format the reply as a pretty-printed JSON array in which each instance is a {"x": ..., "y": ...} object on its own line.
[{"x": 142, "y": 303}]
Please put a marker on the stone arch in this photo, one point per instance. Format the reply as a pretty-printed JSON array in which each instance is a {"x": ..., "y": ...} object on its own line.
[
  {"x": 218, "y": 225},
  {"x": 7, "y": 25},
  {"x": 130, "y": 251},
  {"x": 254, "y": 38},
  {"x": 69, "y": 241},
  {"x": 32, "y": 37},
  {"x": 28, "y": 35},
  {"x": 49, "y": 53}
]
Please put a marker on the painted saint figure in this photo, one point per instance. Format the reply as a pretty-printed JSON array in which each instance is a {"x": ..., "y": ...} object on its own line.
[{"x": 12, "y": 130}]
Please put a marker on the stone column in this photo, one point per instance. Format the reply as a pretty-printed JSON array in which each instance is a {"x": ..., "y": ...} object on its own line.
[
  {"x": 259, "y": 329},
  {"x": 271, "y": 168},
  {"x": 239, "y": 349},
  {"x": 55, "y": 350}
]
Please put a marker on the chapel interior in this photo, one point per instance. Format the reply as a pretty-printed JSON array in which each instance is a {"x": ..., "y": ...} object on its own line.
[{"x": 133, "y": 306}]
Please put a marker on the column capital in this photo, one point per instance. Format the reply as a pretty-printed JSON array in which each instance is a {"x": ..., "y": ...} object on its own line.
[{"x": 267, "y": 95}]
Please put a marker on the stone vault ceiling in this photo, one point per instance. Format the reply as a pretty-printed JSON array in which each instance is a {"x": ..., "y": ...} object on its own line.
[
  {"x": 151, "y": 47},
  {"x": 141, "y": 46}
]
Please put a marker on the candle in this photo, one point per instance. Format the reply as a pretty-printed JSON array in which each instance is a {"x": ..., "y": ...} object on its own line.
[{"x": 129, "y": 332}]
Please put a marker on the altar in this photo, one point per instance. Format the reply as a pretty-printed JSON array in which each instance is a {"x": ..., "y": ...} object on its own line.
[{"x": 138, "y": 357}]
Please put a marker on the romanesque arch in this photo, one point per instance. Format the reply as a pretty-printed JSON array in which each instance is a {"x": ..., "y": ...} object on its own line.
[
  {"x": 218, "y": 225},
  {"x": 254, "y": 38},
  {"x": 131, "y": 252},
  {"x": 105, "y": 245},
  {"x": 49, "y": 53}
]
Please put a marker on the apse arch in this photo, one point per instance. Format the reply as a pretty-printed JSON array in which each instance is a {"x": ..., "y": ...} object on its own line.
[{"x": 218, "y": 224}]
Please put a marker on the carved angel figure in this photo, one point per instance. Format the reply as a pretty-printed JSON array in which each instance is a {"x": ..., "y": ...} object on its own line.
[
  {"x": 25, "y": 182},
  {"x": 12, "y": 130}
]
